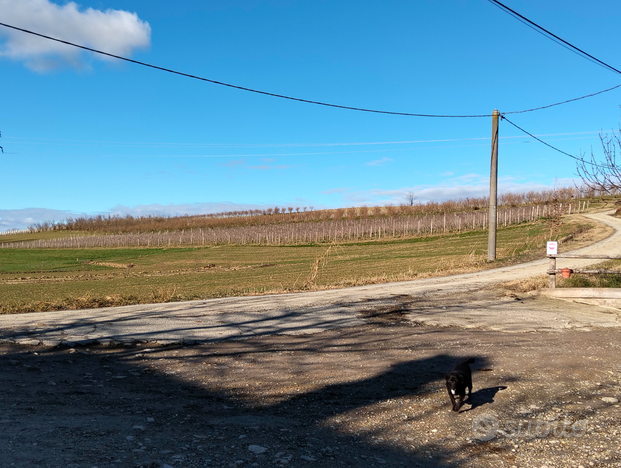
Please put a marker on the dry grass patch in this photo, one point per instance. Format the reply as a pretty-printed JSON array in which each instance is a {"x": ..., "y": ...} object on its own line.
[
  {"x": 56, "y": 279},
  {"x": 527, "y": 285}
]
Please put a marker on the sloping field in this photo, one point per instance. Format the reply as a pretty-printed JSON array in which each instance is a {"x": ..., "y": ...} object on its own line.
[{"x": 56, "y": 279}]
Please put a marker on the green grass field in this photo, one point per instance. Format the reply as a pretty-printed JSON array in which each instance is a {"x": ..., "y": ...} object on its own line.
[{"x": 54, "y": 279}]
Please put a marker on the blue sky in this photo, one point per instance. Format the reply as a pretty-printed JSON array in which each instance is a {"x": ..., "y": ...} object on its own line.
[{"x": 86, "y": 135}]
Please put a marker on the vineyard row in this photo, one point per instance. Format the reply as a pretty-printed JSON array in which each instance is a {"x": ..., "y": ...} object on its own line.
[{"x": 305, "y": 233}]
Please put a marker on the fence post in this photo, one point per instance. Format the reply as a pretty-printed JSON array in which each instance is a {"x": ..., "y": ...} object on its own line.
[{"x": 552, "y": 272}]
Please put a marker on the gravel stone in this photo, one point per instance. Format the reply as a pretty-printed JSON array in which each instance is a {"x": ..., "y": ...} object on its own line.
[{"x": 257, "y": 449}]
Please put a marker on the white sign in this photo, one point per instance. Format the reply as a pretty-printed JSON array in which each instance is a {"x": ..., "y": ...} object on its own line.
[{"x": 552, "y": 248}]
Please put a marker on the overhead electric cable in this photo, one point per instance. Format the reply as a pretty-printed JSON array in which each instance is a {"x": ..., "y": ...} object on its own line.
[
  {"x": 243, "y": 88},
  {"x": 282, "y": 96},
  {"x": 564, "y": 102},
  {"x": 553, "y": 147},
  {"x": 553, "y": 36}
]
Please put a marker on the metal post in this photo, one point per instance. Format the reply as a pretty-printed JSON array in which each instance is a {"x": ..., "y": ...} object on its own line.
[
  {"x": 552, "y": 272},
  {"x": 493, "y": 191}
]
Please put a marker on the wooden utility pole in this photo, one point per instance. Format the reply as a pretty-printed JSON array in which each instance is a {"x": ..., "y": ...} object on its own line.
[{"x": 493, "y": 190}]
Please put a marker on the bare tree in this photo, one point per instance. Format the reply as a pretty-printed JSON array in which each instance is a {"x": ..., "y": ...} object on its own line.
[
  {"x": 1, "y": 148},
  {"x": 410, "y": 198},
  {"x": 603, "y": 177}
]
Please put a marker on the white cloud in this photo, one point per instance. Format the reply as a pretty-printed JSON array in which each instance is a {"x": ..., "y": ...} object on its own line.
[
  {"x": 181, "y": 209},
  {"x": 466, "y": 186},
  {"x": 470, "y": 179},
  {"x": 115, "y": 31},
  {"x": 24, "y": 218},
  {"x": 447, "y": 190}
]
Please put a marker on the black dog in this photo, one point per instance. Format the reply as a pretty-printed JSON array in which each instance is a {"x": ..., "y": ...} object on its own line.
[{"x": 457, "y": 381}]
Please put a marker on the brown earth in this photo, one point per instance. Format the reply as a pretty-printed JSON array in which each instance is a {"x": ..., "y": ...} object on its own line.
[{"x": 364, "y": 396}]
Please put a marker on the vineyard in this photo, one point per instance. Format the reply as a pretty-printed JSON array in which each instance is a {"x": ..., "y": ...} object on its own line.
[
  {"x": 341, "y": 226},
  {"x": 284, "y": 215}
]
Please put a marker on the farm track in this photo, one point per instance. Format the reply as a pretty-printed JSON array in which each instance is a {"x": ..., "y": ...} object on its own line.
[{"x": 421, "y": 301}]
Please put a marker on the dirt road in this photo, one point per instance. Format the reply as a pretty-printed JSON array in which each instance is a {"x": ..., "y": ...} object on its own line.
[{"x": 313, "y": 312}]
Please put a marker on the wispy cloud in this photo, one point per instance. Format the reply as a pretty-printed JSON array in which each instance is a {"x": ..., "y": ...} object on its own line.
[
  {"x": 234, "y": 163},
  {"x": 182, "y": 209},
  {"x": 243, "y": 164},
  {"x": 337, "y": 190},
  {"x": 115, "y": 31},
  {"x": 379, "y": 162},
  {"x": 466, "y": 186},
  {"x": 267, "y": 167},
  {"x": 470, "y": 179},
  {"x": 447, "y": 190},
  {"x": 24, "y": 218}
]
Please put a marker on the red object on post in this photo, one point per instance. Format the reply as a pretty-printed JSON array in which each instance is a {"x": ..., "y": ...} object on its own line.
[{"x": 566, "y": 272}]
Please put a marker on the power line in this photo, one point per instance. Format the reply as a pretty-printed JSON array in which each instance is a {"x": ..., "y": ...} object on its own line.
[
  {"x": 553, "y": 147},
  {"x": 553, "y": 36},
  {"x": 282, "y": 96},
  {"x": 243, "y": 88},
  {"x": 564, "y": 102}
]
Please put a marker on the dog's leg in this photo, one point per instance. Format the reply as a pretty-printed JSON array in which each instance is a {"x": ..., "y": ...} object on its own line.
[
  {"x": 452, "y": 397},
  {"x": 461, "y": 401}
]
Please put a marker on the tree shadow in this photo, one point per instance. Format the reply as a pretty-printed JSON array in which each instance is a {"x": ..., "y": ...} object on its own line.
[
  {"x": 223, "y": 319},
  {"x": 110, "y": 406}
]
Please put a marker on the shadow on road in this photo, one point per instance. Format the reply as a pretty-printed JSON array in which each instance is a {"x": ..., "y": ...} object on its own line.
[{"x": 209, "y": 404}]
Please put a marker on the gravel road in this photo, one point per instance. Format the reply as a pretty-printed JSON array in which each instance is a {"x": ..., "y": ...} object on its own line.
[{"x": 313, "y": 312}]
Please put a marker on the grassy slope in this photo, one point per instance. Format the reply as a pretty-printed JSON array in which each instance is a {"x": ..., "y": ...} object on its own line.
[
  {"x": 34, "y": 236},
  {"x": 32, "y": 280}
]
